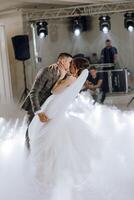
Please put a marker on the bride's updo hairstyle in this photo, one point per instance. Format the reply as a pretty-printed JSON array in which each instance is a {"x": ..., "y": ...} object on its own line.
[{"x": 80, "y": 64}]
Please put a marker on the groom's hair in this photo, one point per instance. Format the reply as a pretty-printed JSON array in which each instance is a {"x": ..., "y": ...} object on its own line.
[{"x": 64, "y": 55}]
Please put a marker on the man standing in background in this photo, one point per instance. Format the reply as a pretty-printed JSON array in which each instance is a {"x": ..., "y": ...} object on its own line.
[{"x": 109, "y": 54}]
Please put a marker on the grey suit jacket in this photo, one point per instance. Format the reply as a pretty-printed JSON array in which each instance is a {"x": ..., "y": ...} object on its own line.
[{"x": 41, "y": 88}]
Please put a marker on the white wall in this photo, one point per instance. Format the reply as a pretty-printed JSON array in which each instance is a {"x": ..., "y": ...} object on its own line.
[
  {"x": 6, "y": 95},
  {"x": 60, "y": 39},
  {"x": 13, "y": 23}
]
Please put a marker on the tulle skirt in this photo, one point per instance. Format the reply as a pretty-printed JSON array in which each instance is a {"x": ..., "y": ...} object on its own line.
[{"x": 82, "y": 148}]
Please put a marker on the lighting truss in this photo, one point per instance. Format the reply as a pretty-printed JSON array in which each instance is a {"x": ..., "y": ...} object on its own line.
[{"x": 97, "y": 9}]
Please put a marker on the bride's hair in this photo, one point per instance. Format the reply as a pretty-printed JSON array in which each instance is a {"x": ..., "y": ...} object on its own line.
[{"x": 80, "y": 63}]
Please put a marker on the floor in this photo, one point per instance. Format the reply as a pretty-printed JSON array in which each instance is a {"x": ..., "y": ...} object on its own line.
[
  {"x": 112, "y": 168},
  {"x": 121, "y": 100}
]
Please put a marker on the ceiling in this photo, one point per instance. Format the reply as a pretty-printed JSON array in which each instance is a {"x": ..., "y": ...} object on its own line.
[{"x": 8, "y": 5}]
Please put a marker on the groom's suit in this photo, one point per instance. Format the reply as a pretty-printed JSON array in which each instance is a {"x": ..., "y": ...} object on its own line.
[{"x": 40, "y": 91}]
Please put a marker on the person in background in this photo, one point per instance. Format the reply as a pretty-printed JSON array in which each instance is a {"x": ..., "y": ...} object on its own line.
[
  {"x": 109, "y": 54},
  {"x": 94, "y": 84},
  {"x": 94, "y": 58}
]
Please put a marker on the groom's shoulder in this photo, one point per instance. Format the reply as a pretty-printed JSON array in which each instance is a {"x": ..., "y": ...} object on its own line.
[
  {"x": 48, "y": 71},
  {"x": 51, "y": 67}
]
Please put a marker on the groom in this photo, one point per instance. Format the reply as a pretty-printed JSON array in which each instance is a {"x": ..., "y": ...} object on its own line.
[{"x": 42, "y": 86}]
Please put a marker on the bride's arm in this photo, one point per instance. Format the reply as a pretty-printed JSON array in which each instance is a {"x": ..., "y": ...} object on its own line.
[{"x": 61, "y": 84}]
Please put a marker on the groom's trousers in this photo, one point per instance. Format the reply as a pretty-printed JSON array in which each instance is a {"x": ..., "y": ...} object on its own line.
[{"x": 30, "y": 116}]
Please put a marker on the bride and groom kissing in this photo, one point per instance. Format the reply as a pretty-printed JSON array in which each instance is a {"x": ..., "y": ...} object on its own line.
[{"x": 49, "y": 80}]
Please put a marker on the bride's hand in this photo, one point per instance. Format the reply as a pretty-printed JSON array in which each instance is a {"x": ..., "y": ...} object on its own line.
[{"x": 43, "y": 117}]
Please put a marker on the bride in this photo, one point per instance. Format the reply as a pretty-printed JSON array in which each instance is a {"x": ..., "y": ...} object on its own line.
[{"x": 59, "y": 147}]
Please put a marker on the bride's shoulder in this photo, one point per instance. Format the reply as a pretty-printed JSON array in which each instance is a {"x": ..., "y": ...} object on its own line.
[{"x": 71, "y": 78}]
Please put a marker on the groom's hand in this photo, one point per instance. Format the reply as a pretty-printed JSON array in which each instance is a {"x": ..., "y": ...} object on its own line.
[
  {"x": 63, "y": 73},
  {"x": 43, "y": 117}
]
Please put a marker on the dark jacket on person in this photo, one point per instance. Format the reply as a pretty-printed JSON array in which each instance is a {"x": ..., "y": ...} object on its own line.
[
  {"x": 41, "y": 89},
  {"x": 107, "y": 54}
]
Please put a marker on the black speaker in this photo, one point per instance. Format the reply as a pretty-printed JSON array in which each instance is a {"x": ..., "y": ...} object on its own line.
[{"x": 21, "y": 47}]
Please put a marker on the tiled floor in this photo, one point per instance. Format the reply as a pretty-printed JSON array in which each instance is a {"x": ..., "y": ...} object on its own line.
[{"x": 120, "y": 100}]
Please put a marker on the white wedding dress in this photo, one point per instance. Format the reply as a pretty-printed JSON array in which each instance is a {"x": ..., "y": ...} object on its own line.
[
  {"x": 60, "y": 149},
  {"x": 85, "y": 150}
]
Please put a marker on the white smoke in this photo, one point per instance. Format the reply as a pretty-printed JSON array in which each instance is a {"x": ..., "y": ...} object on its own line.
[{"x": 112, "y": 158}]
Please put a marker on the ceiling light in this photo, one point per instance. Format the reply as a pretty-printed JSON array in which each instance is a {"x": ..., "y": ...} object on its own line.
[
  {"x": 42, "y": 29},
  {"x": 104, "y": 24},
  {"x": 77, "y": 27},
  {"x": 129, "y": 21}
]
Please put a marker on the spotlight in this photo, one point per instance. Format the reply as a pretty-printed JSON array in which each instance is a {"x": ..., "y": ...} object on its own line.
[
  {"x": 79, "y": 24},
  {"x": 105, "y": 24},
  {"x": 77, "y": 27},
  {"x": 129, "y": 21},
  {"x": 42, "y": 30}
]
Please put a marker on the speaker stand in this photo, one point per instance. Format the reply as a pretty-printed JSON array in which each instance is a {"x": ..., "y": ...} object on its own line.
[
  {"x": 26, "y": 90},
  {"x": 130, "y": 101}
]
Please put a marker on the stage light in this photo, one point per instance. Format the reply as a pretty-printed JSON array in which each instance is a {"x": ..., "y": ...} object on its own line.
[
  {"x": 77, "y": 32},
  {"x": 105, "y": 24},
  {"x": 105, "y": 29},
  {"x": 42, "y": 30},
  {"x": 79, "y": 24},
  {"x": 77, "y": 27},
  {"x": 129, "y": 21}
]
